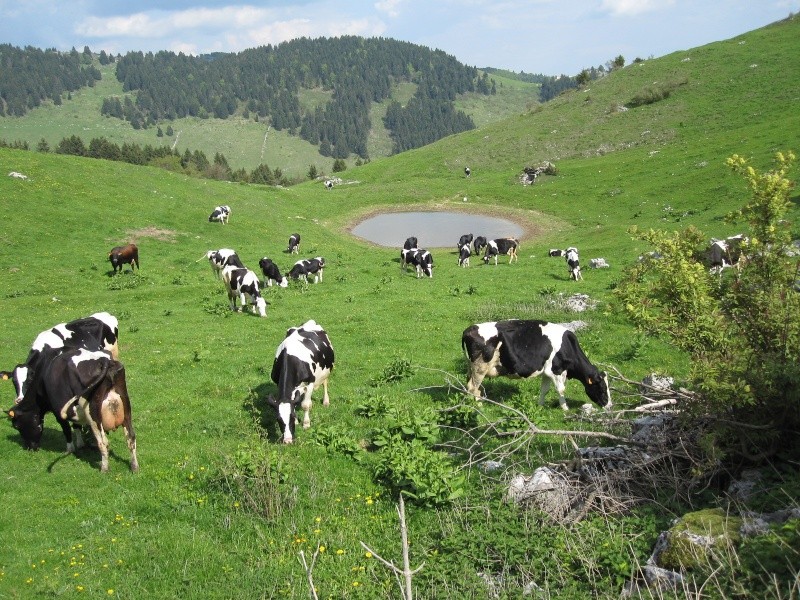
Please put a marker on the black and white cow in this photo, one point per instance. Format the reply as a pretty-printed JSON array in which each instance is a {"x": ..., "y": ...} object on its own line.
[
  {"x": 467, "y": 171},
  {"x": 555, "y": 252},
  {"x": 303, "y": 361},
  {"x": 573, "y": 263},
  {"x": 528, "y": 348},
  {"x": 294, "y": 244},
  {"x": 500, "y": 246},
  {"x": 224, "y": 257},
  {"x": 305, "y": 267},
  {"x": 220, "y": 214},
  {"x": 328, "y": 184},
  {"x": 272, "y": 273},
  {"x": 99, "y": 331},
  {"x": 725, "y": 253},
  {"x": 124, "y": 255},
  {"x": 422, "y": 261},
  {"x": 405, "y": 257},
  {"x": 410, "y": 243},
  {"x": 464, "y": 239},
  {"x": 80, "y": 387},
  {"x": 463, "y": 255},
  {"x": 244, "y": 283},
  {"x": 479, "y": 243}
]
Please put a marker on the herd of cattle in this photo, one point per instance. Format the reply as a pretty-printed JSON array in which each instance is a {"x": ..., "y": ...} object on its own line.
[{"x": 73, "y": 370}]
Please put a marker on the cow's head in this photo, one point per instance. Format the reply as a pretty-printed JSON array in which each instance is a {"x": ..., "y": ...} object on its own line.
[
  {"x": 287, "y": 417},
  {"x": 28, "y": 421},
  {"x": 20, "y": 376},
  {"x": 596, "y": 386}
]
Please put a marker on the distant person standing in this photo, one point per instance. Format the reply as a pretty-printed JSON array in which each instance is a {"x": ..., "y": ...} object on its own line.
[{"x": 467, "y": 171}]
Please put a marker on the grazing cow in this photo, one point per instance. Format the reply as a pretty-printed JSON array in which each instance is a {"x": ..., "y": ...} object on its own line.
[
  {"x": 422, "y": 261},
  {"x": 294, "y": 244},
  {"x": 725, "y": 253},
  {"x": 464, "y": 239},
  {"x": 80, "y": 387},
  {"x": 271, "y": 273},
  {"x": 410, "y": 243},
  {"x": 244, "y": 283},
  {"x": 17, "y": 175},
  {"x": 573, "y": 263},
  {"x": 405, "y": 257},
  {"x": 467, "y": 171},
  {"x": 224, "y": 257},
  {"x": 463, "y": 255},
  {"x": 555, "y": 252},
  {"x": 99, "y": 331},
  {"x": 479, "y": 244},
  {"x": 328, "y": 184},
  {"x": 523, "y": 348},
  {"x": 221, "y": 214},
  {"x": 122, "y": 255},
  {"x": 305, "y": 267},
  {"x": 500, "y": 246},
  {"x": 303, "y": 361}
]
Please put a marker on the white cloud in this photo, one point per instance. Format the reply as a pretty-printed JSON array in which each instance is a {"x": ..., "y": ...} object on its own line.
[
  {"x": 390, "y": 7},
  {"x": 634, "y": 7}
]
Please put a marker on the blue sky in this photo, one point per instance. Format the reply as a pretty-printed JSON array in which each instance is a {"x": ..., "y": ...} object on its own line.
[{"x": 535, "y": 36}]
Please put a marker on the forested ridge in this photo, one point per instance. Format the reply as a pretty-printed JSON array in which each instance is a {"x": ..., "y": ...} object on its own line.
[
  {"x": 265, "y": 83},
  {"x": 29, "y": 76}
]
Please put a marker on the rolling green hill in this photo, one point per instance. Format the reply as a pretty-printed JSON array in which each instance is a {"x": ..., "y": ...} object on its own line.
[
  {"x": 194, "y": 522},
  {"x": 246, "y": 143}
]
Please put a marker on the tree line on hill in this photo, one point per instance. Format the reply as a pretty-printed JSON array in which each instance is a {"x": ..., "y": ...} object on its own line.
[
  {"x": 266, "y": 82},
  {"x": 30, "y": 76},
  {"x": 192, "y": 163}
]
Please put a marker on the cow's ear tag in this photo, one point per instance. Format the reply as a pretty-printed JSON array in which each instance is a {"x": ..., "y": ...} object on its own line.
[
  {"x": 589, "y": 380},
  {"x": 11, "y": 413},
  {"x": 5, "y": 376}
]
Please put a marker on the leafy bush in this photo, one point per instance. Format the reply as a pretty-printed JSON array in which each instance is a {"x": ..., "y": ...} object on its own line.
[
  {"x": 742, "y": 331},
  {"x": 398, "y": 369},
  {"x": 422, "y": 474},
  {"x": 407, "y": 424}
]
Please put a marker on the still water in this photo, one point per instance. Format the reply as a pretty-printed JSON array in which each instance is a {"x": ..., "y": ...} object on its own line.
[{"x": 432, "y": 229}]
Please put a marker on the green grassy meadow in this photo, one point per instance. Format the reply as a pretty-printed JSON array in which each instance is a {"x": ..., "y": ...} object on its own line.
[{"x": 198, "y": 374}]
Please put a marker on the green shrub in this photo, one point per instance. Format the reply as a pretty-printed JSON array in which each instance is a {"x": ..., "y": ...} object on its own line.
[{"x": 424, "y": 475}]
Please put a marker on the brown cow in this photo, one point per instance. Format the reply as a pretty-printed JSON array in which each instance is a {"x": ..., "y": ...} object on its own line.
[{"x": 122, "y": 255}]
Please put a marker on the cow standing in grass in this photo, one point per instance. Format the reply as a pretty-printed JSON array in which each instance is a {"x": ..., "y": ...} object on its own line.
[
  {"x": 529, "y": 348},
  {"x": 244, "y": 283},
  {"x": 124, "y": 255},
  {"x": 80, "y": 387},
  {"x": 303, "y": 361},
  {"x": 506, "y": 246}
]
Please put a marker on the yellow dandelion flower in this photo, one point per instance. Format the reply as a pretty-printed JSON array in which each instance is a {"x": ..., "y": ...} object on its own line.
[
  {"x": 356, "y": 583},
  {"x": 76, "y": 574},
  {"x": 29, "y": 580},
  {"x": 235, "y": 505},
  {"x": 368, "y": 554},
  {"x": 110, "y": 591},
  {"x": 321, "y": 549},
  {"x": 317, "y": 531},
  {"x": 370, "y": 501},
  {"x": 318, "y": 519},
  {"x": 79, "y": 588},
  {"x": 340, "y": 551}
]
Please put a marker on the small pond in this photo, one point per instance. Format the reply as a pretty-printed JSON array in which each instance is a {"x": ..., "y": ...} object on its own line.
[{"x": 432, "y": 229}]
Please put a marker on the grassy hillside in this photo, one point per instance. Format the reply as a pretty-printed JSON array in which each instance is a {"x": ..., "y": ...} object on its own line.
[
  {"x": 198, "y": 374},
  {"x": 246, "y": 143}
]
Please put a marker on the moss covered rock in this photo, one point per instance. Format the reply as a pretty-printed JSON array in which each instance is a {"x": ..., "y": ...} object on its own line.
[{"x": 697, "y": 537}]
